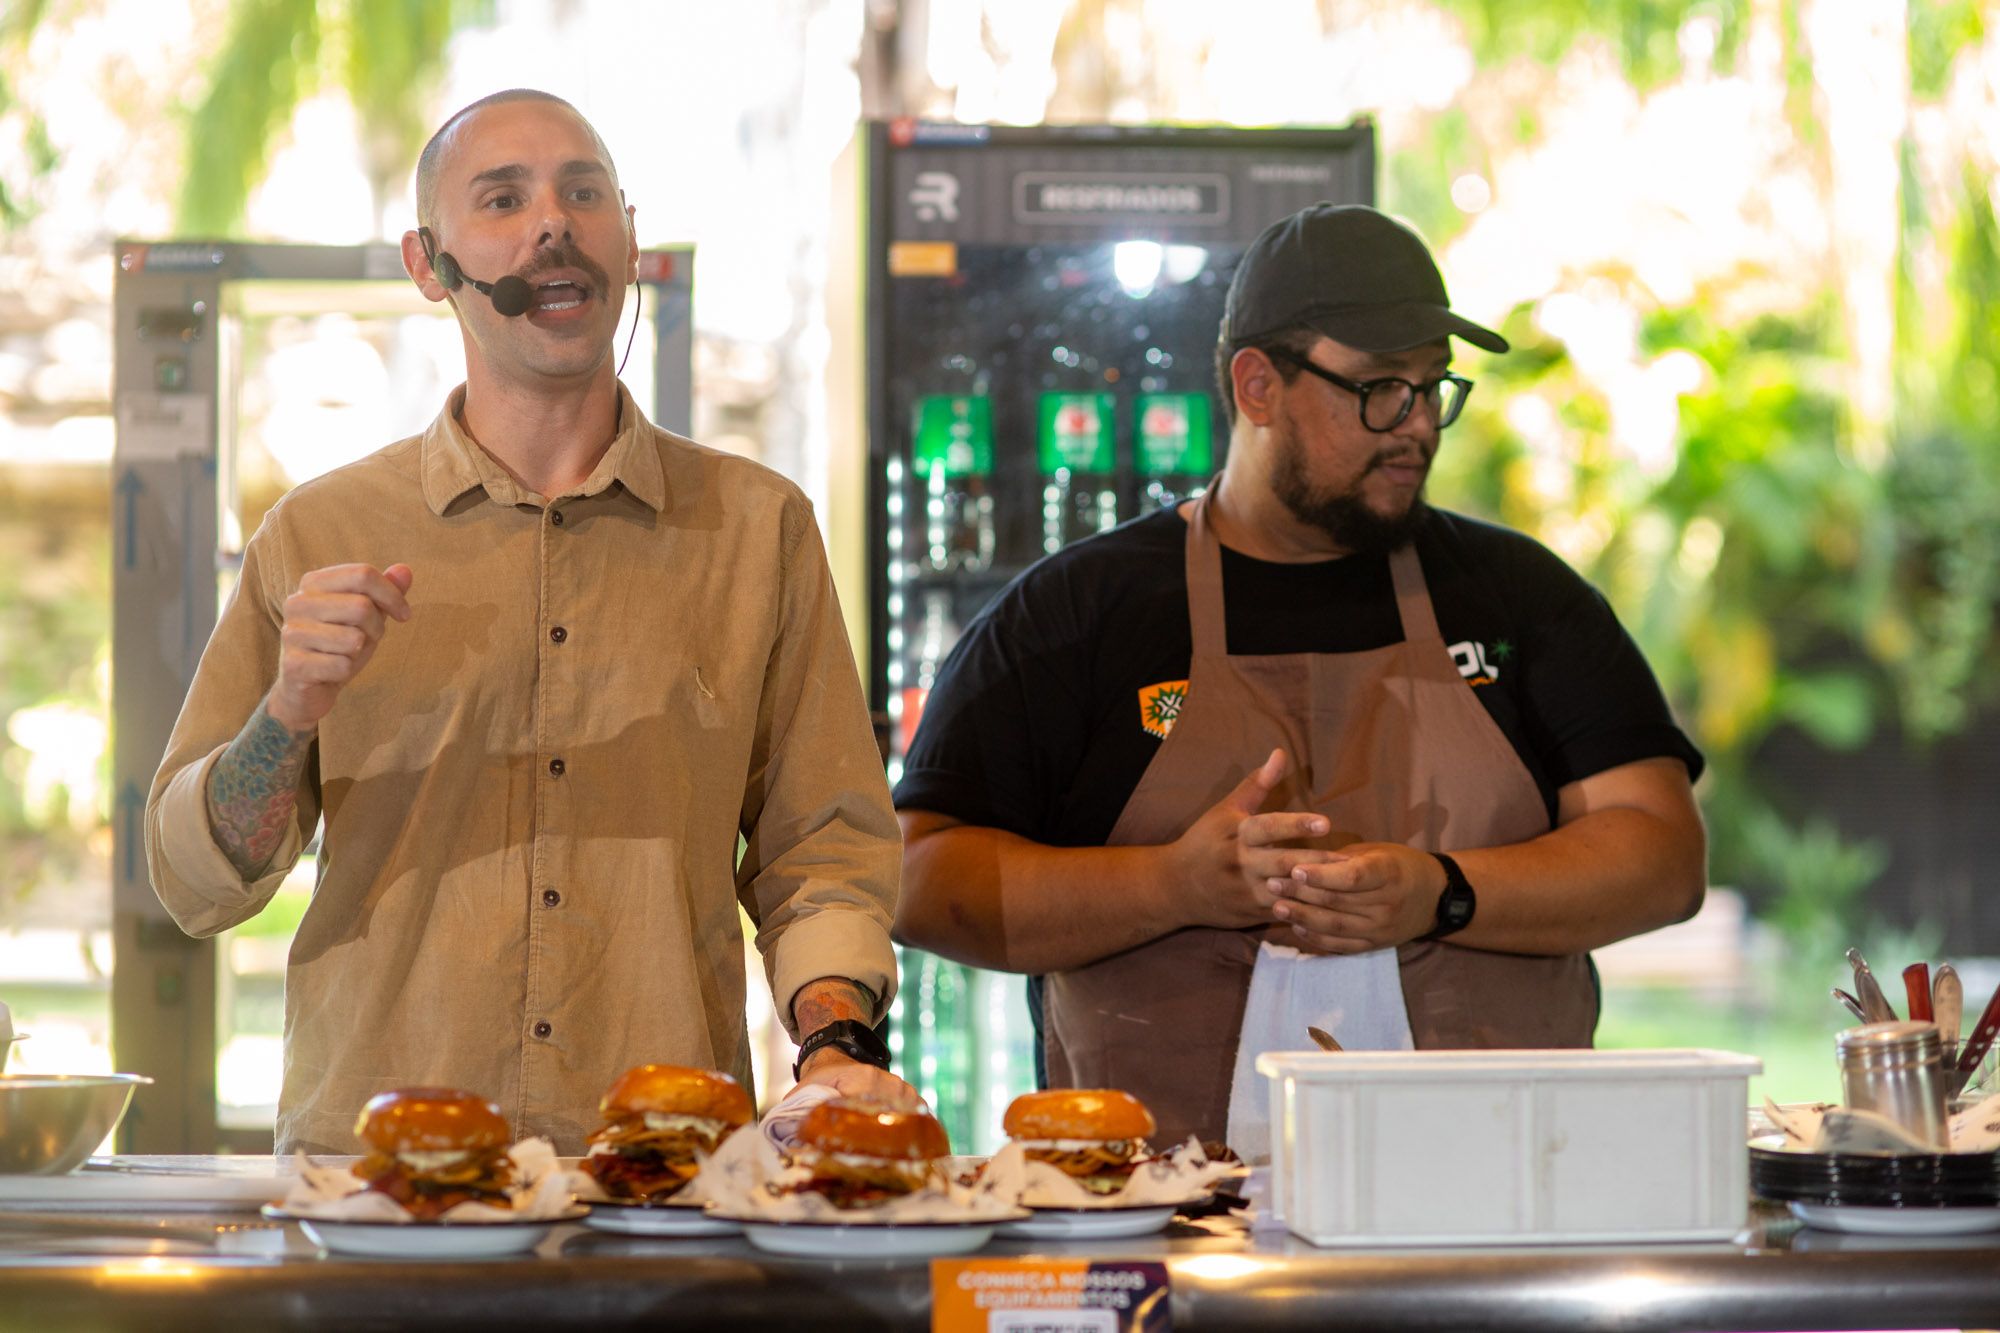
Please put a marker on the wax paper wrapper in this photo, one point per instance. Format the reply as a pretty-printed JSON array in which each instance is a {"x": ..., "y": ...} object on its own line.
[
  {"x": 748, "y": 1176},
  {"x": 1822, "y": 1127},
  {"x": 541, "y": 1192},
  {"x": 1184, "y": 1175}
]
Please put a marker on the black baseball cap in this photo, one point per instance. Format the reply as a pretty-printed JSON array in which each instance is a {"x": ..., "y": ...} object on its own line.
[{"x": 1358, "y": 276}]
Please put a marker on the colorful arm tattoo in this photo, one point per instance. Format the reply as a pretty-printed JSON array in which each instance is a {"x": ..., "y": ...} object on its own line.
[
  {"x": 828, "y": 1000},
  {"x": 253, "y": 791}
]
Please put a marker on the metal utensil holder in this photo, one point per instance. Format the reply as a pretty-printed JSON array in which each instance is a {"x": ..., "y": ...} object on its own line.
[{"x": 1897, "y": 1070}]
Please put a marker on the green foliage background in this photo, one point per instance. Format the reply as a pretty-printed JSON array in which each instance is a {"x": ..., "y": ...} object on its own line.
[{"x": 1850, "y": 600}]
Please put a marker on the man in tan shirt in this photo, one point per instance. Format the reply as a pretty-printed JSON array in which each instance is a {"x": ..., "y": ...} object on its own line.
[{"x": 537, "y": 668}]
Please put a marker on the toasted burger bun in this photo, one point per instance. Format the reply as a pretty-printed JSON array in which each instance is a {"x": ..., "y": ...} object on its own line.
[
  {"x": 861, "y": 1154},
  {"x": 1078, "y": 1113},
  {"x": 659, "y": 1122},
  {"x": 864, "y": 1129},
  {"x": 432, "y": 1149},
  {"x": 677, "y": 1090},
  {"x": 431, "y": 1120}
]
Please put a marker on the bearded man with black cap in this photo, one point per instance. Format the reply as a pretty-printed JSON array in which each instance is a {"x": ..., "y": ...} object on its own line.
[{"x": 1306, "y": 750}]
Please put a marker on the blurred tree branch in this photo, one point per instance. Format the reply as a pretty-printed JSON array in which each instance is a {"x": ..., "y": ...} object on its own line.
[
  {"x": 388, "y": 57},
  {"x": 17, "y": 26}
]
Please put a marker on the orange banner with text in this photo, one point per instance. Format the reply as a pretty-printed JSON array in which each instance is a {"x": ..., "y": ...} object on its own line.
[{"x": 1038, "y": 1295}]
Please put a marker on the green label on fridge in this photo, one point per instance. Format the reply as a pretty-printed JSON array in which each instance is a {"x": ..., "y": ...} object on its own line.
[
  {"x": 1076, "y": 432},
  {"x": 1175, "y": 435},
  {"x": 956, "y": 432}
]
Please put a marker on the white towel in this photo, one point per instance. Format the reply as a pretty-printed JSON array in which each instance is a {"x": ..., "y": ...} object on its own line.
[
  {"x": 781, "y": 1122},
  {"x": 1356, "y": 997}
]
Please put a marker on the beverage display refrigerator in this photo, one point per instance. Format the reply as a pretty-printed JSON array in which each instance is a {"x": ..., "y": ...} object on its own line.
[{"x": 1041, "y": 308}]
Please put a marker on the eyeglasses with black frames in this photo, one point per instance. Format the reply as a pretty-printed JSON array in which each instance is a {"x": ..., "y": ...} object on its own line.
[{"x": 1386, "y": 402}]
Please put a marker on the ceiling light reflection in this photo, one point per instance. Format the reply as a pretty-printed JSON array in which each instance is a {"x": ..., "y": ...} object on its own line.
[{"x": 1220, "y": 1267}]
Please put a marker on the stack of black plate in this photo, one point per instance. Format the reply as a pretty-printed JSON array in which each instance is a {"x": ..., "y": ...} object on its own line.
[{"x": 1920, "y": 1180}]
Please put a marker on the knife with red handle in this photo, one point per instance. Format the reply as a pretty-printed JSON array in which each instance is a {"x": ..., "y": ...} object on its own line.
[
  {"x": 1917, "y": 985},
  {"x": 1974, "y": 1050}
]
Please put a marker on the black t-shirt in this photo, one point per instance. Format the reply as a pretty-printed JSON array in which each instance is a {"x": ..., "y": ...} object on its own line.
[{"x": 1036, "y": 723}]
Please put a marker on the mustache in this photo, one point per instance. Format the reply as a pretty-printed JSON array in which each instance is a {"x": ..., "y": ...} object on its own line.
[
  {"x": 1398, "y": 457},
  {"x": 566, "y": 255}
]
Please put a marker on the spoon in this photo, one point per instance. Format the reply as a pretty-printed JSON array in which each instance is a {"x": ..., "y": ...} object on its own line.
[
  {"x": 1873, "y": 1002},
  {"x": 1322, "y": 1038},
  {"x": 1853, "y": 1005}
]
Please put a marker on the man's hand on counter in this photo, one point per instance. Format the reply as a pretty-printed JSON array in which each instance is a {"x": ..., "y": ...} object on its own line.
[
  {"x": 851, "y": 1078},
  {"x": 829, "y": 1000}
]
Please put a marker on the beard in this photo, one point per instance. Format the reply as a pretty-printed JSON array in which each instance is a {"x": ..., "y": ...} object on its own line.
[{"x": 1343, "y": 515}]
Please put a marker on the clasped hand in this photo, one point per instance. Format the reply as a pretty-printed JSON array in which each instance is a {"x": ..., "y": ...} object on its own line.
[{"x": 1233, "y": 870}]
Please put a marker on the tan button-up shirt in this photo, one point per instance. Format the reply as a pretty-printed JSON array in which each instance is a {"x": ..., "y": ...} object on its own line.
[{"x": 532, "y": 794}]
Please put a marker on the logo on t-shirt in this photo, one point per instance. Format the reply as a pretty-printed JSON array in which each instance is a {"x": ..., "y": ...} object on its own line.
[
  {"x": 1478, "y": 663},
  {"x": 1160, "y": 706}
]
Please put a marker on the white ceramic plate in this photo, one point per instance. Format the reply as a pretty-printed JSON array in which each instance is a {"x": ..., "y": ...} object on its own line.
[
  {"x": 154, "y": 1184},
  {"x": 1897, "y": 1221},
  {"x": 661, "y": 1219},
  {"x": 868, "y": 1240},
  {"x": 423, "y": 1240},
  {"x": 1091, "y": 1223}
]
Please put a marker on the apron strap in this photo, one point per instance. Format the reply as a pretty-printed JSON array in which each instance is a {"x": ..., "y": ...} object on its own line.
[
  {"x": 1207, "y": 624},
  {"x": 1413, "y": 599}
]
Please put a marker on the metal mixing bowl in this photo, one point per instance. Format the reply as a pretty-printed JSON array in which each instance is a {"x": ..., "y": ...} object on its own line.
[{"x": 50, "y": 1122}]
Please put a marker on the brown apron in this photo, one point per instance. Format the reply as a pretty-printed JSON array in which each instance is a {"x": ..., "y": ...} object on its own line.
[{"x": 1391, "y": 746}]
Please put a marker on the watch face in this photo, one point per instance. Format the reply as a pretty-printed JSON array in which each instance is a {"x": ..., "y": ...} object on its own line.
[
  {"x": 1457, "y": 903},
  {"x": 863, "y": 1044}
]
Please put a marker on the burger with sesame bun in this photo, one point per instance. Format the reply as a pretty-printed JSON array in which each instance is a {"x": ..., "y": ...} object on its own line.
[
  {"x": 431, "y": 1149},
  {"x": 1095, "y": 1136},
  {"x": 659, "y": 1122},
  {"x": 861, "y": 1154}
]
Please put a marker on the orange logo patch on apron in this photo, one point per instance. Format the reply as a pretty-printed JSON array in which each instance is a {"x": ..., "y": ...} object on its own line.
[{"x": 1160, "y": 706}]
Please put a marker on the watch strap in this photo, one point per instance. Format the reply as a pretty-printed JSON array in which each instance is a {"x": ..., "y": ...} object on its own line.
[
  {"x": 851, "y": 1037},
  {"x": 1456, "y": 903}
]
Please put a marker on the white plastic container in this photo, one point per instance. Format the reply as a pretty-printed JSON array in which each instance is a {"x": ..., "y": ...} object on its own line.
[{"x": 1373, "y": 1148}]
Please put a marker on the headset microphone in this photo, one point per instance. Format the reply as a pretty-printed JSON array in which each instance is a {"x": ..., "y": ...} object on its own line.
[{"x": 510, "y": 295}]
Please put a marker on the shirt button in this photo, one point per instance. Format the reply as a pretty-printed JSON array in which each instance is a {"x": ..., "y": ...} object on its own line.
[
  {"x": 542, "y": 1029},
  {"x": 550, "y": 897},
  {"x": 558, "y": 634},
  {"x": 556, "y": 767},
  {"x": 555, "y": 517}
]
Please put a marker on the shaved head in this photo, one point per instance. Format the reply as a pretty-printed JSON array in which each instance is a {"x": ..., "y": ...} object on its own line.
[{"x": 431, "y": 161}]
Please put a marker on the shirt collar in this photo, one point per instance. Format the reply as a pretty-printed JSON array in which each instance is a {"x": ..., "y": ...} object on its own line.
[{"x": 454, "y": 463}]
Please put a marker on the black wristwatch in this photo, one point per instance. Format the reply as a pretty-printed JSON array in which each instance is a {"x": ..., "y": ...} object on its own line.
[
  {"x": 850, "y": 1036},
  {"x": 1456, "y": 904}
]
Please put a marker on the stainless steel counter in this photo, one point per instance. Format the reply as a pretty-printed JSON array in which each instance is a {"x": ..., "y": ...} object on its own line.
[{"x": 107, "y": 1270}]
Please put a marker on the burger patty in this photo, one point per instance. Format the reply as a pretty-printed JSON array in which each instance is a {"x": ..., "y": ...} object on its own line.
[
  {"x": 849, "y": 1181},
  {"x": 631, "y": 1161},
  {"x": 1102, "y": 1169},
  {"x": 481, "y": 1176}
]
